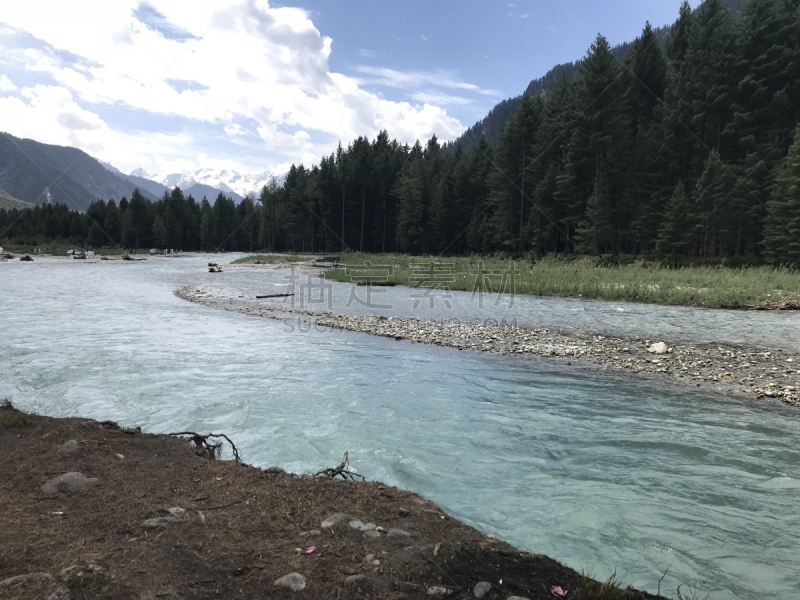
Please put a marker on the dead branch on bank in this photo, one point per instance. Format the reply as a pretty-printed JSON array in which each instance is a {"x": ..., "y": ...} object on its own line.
[
  {"x": 212, "y": 450},
  {"x": 786, "y": 304},
  {"x": 342, "y": 470}
]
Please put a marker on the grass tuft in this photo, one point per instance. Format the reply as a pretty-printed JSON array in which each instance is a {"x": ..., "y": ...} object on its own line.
[{"x": 10, "y": 416}]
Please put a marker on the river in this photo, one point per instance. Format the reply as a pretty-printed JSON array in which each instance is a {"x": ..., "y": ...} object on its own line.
[{"x": 601, "y": 472}]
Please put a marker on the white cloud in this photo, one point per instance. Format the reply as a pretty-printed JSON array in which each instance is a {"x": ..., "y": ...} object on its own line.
[
  {"x": 416, "y": 79},
  {"x": 189, "y": 69},
  {"x": 439, "y": 99},
  {"x": 6, "y": 85}
]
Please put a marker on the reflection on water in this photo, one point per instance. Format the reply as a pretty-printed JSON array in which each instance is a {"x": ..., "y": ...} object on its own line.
[{"x": 602, "y": 474}]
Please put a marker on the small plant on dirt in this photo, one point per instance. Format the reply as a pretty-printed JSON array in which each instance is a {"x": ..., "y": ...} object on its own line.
[
  {"x": 610, "y": 589},
  {"x": 10, "y": 416}
]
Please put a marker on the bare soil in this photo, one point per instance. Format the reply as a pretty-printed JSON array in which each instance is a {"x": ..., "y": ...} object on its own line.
[{"x": 241, "y": 528}]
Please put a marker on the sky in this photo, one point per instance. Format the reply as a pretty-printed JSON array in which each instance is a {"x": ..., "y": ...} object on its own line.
[{"x": 172, "y": 86}]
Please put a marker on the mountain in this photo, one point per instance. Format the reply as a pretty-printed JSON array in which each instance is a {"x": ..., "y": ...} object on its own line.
[
  {"x": 7, "y": 202},
  {"x": 200, "y": 190},
  {"x": 492, "y": 124},
  {"x": 41, "y": 173},
  {"x": 228, "y": 181}
]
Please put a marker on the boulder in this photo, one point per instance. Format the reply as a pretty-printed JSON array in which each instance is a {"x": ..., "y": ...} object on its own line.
[
  {"x": 70, "y": 446},
  {"x": 362, "y": 526},
  {"x": 292, "y": 581},
  {"x": 333, "y": 520},
  {"x": 658, "y": 348},
  {"x": 68, "y": 482},
  {"x": 481, "y": 589}
]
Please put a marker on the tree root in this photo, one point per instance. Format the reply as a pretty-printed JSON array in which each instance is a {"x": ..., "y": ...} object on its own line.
[
  {"x": 342, "y": 470},
  {"x": 211, "y": 450}
]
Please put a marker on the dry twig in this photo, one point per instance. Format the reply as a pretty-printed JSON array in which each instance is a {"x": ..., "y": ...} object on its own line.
[
  {"x": 343, "y": 470},
  {"x": 212, "y": 450}
]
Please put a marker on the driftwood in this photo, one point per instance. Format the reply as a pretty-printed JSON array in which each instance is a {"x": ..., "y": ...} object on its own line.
[
  {"x": 262, "y": 296},
  {"x": 377, "y": 283},
  {"x": 211, "y": 450},
  {"x": 342, "y": 470},
  {"x": 785, "y": 304}
]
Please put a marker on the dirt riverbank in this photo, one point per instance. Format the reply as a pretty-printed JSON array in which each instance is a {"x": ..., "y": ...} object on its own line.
[
  {"x": 89, "y": 510},
  {"x": 744, "y": 372}
]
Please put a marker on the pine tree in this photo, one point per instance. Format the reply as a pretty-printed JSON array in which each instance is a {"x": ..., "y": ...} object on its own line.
[
  {"x": 674, "y": 233},
  {"x": 713, "y": 196},
  {"x": 782, "y": 224}
]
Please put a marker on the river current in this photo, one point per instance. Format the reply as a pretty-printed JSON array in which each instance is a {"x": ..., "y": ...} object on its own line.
[{"x": 604, "y": 473}]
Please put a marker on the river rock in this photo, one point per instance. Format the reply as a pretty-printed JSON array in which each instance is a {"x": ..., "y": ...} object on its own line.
[
  {"x": 658, "y": 348},
  {"x": 70, "y": 446},
  {"x": 398, "y": 533},
  {"x": 28, "y": 578},
  {"x": 437, "y": 590},
  {"x": 158, "y": 522},
  {"x": 354, "y": 579},
  {"x": 333, "y": 520},
  {"x": 372, "y": 534},
  {"x": 293, "y": 581},
  {"x": 68, "y": 482},
  {"x": 362, "y": 526},
  {"x": 310, "y": 533},
  {"x": 481, "y": 589}
]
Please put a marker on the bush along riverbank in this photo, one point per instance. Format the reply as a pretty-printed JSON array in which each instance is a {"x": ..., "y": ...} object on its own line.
[
  {"x": 743, "y": 372},
  {"x": 91, "y": 510}
]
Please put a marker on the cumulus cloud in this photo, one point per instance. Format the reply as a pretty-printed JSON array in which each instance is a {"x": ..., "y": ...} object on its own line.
[
  {"x": 252, "y": 72},
  {"x": 6, "y": 85}
]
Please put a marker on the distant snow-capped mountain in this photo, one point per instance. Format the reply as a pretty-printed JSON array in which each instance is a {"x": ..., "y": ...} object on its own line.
[{"x": 226, "y": 180}]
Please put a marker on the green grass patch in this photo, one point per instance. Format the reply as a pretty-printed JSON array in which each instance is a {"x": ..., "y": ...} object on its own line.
[
  {"x": 584, "y": 277},
  {"x": 11, "y": 417},
  {"x": 271, "y": 259}
]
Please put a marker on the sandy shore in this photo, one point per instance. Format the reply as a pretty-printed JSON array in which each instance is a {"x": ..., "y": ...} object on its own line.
[{"x": 743, "y": 372}]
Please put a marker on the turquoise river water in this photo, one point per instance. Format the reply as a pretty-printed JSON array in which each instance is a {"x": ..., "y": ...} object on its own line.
[{"x": 600, "y": 472}]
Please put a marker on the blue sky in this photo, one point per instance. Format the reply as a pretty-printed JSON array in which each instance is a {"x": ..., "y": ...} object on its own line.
[
  {"x": 498, "y": 45},
  {"x": 252, "y": 85}
]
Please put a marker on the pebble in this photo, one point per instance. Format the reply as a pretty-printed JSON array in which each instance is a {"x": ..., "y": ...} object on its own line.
[
  {"x": 437, "y": 590},
  {"x": 68, "y": 482},
  {"x": 481, "y": 589},
  {"x": 658, "y": 348},
  {"x": 333, "y": 520},
  {"x": 517, "y": 598},
  {"x": 293, "y": 581},
  {"x": 70, "y": 446},
  {"x": 354, "y": 579},
  {"x": 372, "y": 534},
  {"x": 403, "y": 512},
  {"x": 158, "y": 522}
]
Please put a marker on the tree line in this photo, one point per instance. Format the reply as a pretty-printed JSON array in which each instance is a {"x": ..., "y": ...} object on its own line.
[{"x": 690, "y": 150}]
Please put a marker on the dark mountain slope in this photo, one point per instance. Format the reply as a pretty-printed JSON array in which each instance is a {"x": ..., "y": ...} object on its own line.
[{"x": 41, "y": 173}]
